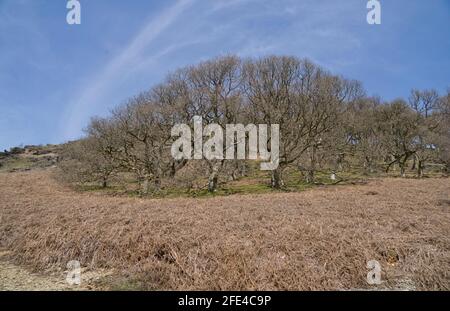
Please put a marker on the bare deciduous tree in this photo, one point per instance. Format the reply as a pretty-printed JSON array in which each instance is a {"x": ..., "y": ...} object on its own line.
[{"x": 325, "y": 121}]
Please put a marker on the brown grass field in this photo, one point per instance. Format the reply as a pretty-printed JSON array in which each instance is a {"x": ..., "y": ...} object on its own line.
[{"x": 319, "y": 239}]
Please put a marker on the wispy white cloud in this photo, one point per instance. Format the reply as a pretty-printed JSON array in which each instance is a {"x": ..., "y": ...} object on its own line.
[
  {"x": 45, "y": 76},
  {"x": 226, "y": 4},
  {"x": 80, "y": 108}
]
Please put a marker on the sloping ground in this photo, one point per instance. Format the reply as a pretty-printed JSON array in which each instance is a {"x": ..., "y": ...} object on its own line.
[
  {"x": 14, "y": 278},
  {"x": 317, "y": 239},
  {"x": 30, "y": 157}
]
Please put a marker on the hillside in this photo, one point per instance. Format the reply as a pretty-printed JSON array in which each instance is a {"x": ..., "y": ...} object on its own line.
[
  {"x": 316, "y": 239},
  {"x": 29, "y": 157}
]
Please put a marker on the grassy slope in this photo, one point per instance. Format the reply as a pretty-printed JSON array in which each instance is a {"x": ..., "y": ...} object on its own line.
[{"x": 317, "y": 239}]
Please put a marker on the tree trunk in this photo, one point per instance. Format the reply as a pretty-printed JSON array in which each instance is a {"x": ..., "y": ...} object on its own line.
[
  {"x": 176, "y": 165},
  {"x": 145, "y": 187},
  {"x": 310, "y": 176},
  {"x": 402, "y": 164},
  {"x": 104, "y": 183},
  {"x": 277, "y": 178},
  {"x": 368, "y": 165},
  {"x": 243, "y": 169},
  {"x": 312, "y": 167},
  {"x": 393, "y": 161},
  {"x": 238, "y": 170},
  {"x": 213, "y": 178},
  {"x": 402, "y": 169},
  {"x": 157, "y": 183},
  {"x": 157, "y": 177},
  {"x": 419, "y": 169},
  {"x": 212, "y": 182},
  {"x": 339, "y": 162},
  {"x": 173, "y": 170}
]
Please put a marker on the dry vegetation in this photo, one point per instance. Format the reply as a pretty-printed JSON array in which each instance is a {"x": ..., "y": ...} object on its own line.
[{"x": 316, "y": 239}]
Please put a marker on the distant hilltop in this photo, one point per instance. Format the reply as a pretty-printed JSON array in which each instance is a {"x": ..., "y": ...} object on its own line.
[{"x": 29, "y": 157}]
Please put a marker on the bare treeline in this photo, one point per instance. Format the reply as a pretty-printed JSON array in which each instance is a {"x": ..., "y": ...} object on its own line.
[{"x": 326, "y": 121}]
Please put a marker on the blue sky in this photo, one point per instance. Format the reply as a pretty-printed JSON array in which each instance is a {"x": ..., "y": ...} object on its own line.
[{"x": 55, "y": 76}]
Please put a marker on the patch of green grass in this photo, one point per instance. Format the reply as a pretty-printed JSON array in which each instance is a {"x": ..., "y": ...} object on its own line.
[
  {"x": 250, "y": 188},
  {"x": 257, "y": 182},
  {"x": 16, "y": 164}
]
